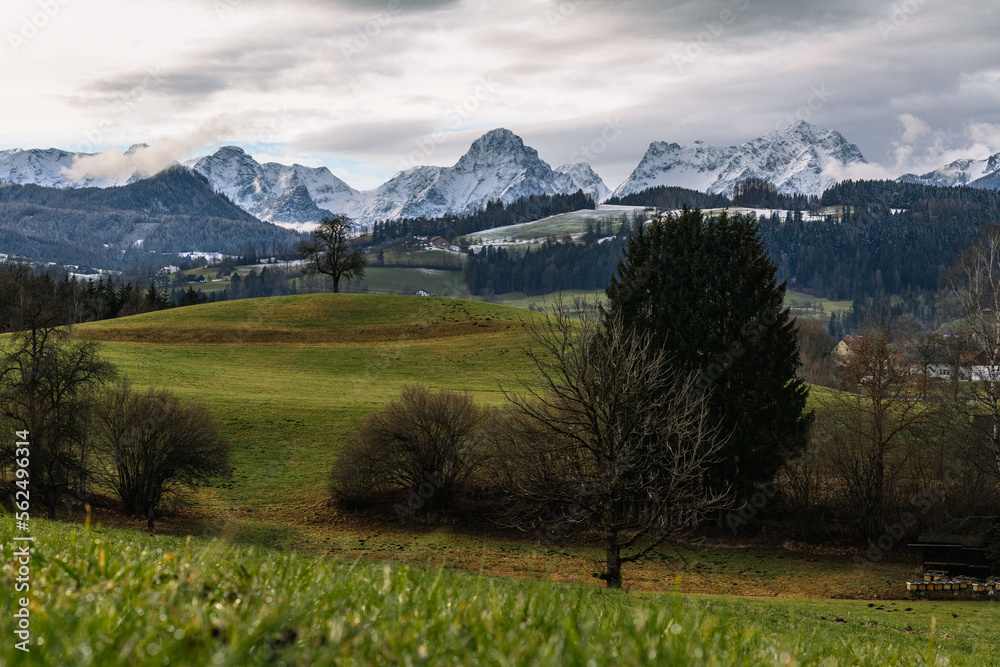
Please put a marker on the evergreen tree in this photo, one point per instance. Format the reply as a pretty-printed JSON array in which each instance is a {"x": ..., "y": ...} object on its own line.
[{"x": 705, "y": 289}]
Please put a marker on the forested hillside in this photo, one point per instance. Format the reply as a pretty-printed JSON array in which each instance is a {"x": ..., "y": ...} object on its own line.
[
  {"x": 893, "y": 238},
  {"x": 117, "y": 228},
  {"x": 494, "y": 214}
]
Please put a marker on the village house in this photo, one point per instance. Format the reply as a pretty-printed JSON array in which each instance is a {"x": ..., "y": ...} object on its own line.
[
  {"x": 843, "y": 350},
  {"x": 937, "y": 363}
]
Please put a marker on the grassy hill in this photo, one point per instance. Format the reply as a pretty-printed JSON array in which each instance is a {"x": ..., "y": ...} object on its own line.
[
  {"x": 111, "y": 597},
  {"x": 287, "y": 378}
]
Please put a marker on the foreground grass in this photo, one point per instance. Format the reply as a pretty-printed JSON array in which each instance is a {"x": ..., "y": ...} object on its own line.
[{"x": 109, "y": 597}]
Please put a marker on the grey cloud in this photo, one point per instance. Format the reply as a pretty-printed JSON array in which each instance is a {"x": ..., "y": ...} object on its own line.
[
  {"x": 361, "y": 6},
  {"x": 178, "y": 83},
  {"x": 366, "y": 137}
]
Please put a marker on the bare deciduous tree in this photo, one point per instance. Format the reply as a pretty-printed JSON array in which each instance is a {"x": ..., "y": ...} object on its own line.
[
  {"x": 329, "y": 251},
  {"x": 149, "y": 444},
  {"x": 974, "y": 286},
  {"x": 869, "y": 429},
  {"x": 607, "y": 436},
  {"x": 46, "y": 387}
]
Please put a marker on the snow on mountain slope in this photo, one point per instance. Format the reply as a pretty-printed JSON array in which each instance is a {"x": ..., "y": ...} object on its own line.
[
  {"x": 695, "y": 167},
  {"x": 55, "y": 168},
  {"x": 274, "y": 192},
  {"x": 977, "y": 173},
  {"x": 793, "y": 159},
  {"x": 582, "y": 177},
  {"x": 497, "y": 166},
  {"x": 35, "y": 166}
]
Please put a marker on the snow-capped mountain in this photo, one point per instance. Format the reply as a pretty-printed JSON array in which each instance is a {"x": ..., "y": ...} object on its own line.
[
  {"x": 794, "y": 159},
  {"x": 582, "y": 177},
  {"x": 54, "y": 168},
  {"x": 497, "y": 166},
  {"x": 289, "y": 196},
  {"x": 976, "y": 173}
]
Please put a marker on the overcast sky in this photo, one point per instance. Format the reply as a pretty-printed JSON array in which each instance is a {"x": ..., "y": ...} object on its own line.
[{"x": 369, "y": 88}]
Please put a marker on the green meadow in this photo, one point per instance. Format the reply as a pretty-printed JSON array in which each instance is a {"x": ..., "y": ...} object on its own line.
[
  {"x": 287, "y": 377},
  {"x": 274, "y": 574}
]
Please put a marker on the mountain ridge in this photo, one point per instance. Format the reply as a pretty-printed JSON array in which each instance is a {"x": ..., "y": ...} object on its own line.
[
  {"x": 794, "y": 159},
  {"x": 497, "y": 165},
  {"x": 977, "y": 173}
]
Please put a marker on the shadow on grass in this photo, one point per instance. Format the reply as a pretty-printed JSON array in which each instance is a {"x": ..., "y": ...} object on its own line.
[{"x": 262, "y": 535}]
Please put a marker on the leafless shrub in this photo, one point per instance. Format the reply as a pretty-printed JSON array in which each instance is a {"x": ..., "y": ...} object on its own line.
[
  {"x": 424, "y": 438},
  {"x": 150, "y": 444}
]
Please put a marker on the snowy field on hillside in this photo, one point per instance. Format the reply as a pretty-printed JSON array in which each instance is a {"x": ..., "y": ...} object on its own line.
[
  {"x": 556, "y": 225},
  {"x": 575, "y": 223}
]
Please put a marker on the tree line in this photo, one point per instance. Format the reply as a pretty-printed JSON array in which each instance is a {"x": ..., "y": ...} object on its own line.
[
  {"x": 552, "y": 267},
  {"x": 749, "y": 192},
  {"x": 892, "y": 238}
]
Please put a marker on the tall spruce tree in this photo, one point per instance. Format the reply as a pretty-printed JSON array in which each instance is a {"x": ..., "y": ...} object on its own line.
[{"x": 705, "y": 288}]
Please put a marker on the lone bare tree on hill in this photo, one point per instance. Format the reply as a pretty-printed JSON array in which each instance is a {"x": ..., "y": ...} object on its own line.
[{"x": 328, "y": 250}]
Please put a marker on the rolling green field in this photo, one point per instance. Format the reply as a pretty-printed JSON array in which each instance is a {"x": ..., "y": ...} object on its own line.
[
  {"x": 288, "y": 378},
  {"x": 444, "y": 259},
  {"x": 107, "y": 597},
  {"x": 439, "y": 282},
  {"x": 814, "y": 307}
]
